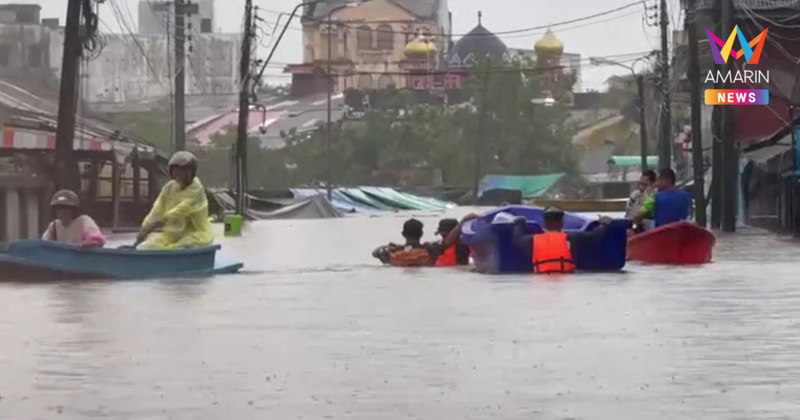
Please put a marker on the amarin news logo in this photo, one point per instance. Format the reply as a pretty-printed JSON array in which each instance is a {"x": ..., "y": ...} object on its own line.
[
  {"x": 721, "y": 57},
  {"x": 747, "y": 77}
]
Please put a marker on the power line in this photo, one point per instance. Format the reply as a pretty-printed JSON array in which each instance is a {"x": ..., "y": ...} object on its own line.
[
  {"x": 498, "y": 33},
  {"x": 123, "y": 25}
]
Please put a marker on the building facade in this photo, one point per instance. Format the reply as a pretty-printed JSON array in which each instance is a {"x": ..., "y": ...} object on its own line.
[
  {"x": 29, "y": 50},
  {"x": 156, "y": 16},
  {"x": 140, "y": 68},
  {"x": 570, "y": 62},
  {"x": 129, "y": 68},
  {"x": 368, "y": 42}
]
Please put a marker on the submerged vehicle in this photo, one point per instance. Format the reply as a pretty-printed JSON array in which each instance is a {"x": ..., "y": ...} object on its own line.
[
  {"x": 37, "y": 260},
  {"x": 681, "y": 243},
  {"x": 494, "y": 251}
]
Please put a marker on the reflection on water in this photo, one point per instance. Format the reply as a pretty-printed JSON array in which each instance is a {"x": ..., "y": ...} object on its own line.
[{"x": 315, "y": 329}]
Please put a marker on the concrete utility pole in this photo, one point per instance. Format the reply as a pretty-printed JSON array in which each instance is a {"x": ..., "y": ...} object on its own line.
[
  {"x": 180, "y": 9},
  {"x": 244, "y": 110},
  {"x": 180, "y": 77},
  {"x": 665, "y": 133},
  {"x": 642, "y": 121},
  {"x": 481, "y": 128},
  {"x": 690, "y": 24},
  {"x": 730, "y": 159},
  {"x": 329, "y": 126},
  {"x": 66, "y": 174}
]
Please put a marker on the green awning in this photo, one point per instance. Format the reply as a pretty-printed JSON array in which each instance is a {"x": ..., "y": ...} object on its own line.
[
  {"x": 531, "y": 186},
  {"x": 633, "y": 161}
]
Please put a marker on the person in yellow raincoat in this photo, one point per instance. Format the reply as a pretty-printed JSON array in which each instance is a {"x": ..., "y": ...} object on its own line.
[{"x": 179, "y": 218}]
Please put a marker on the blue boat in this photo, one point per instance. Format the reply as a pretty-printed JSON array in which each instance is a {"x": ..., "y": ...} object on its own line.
[
  {"x": 39, "y": 260},
  {"x": 491, "y": 238}
]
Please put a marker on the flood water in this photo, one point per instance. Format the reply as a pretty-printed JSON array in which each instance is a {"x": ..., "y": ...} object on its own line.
[{"x": 317, "y": 330}]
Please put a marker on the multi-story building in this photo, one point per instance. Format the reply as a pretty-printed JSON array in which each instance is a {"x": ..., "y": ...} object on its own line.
[
  {"x": 29, "y": 48},
  {"x": 368, "y": 42},
  {"x": 140, "y": 68},
  {"x": 155, "y": 16}
]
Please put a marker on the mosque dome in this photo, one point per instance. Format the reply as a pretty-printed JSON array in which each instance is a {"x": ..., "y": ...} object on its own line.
[
  {"x": 420, "y": 48},
  {"x": 549, "y": 45},
  {"x": 477, "y": 44}
]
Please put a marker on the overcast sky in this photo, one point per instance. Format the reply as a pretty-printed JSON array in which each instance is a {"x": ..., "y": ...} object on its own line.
[{"x": 619, "y": 33}]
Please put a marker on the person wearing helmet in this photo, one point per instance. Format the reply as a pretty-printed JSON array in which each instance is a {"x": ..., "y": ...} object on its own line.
[
  {"x": 551, "y": 251},
  {"x": 180, "y": 213},
  {"x": 69, "y": 225}
]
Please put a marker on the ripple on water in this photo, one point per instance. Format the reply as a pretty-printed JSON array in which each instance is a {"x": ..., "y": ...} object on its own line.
[{"x": 317, "y": 330}]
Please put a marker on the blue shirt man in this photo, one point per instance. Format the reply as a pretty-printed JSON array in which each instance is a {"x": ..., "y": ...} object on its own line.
[{"x": 668, "y": 205}]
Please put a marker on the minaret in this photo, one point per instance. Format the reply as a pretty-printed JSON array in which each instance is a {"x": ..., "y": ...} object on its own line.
[{"x": 548, "y": 53}]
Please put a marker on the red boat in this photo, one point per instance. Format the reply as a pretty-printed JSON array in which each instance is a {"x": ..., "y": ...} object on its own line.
[{"x": 680, "y": 243}]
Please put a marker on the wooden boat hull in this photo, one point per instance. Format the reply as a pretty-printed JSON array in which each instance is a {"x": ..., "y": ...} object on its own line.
[
  {"x": 581, "y": 206},
  {"x": 681, "y": 243},
  {"x": 47, "y": 261}
]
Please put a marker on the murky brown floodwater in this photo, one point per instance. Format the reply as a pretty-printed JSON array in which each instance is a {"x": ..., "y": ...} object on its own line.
[{"x": 320, "y": 331}]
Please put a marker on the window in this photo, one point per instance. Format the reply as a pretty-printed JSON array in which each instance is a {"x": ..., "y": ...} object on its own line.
[
  {"x": 364, "y": 37},
  {"x": 385, "y": 81},
  {"x": 5, "y": 55},
  {"x": 385, "y": 37},
  {"x": 365, "y": 81},
  {"x": 35, "y": 56},
  {"x": 205, "y": 26},
  {"x": 334, "y": 43}
]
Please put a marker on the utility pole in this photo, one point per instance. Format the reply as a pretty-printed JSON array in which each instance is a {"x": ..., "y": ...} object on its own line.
[
  {"x": 718, "y": 134},
  {"x": 690, "y": 24},
  {"x": 642, "y": 121},
  {"x": 730, "y": 161},
  {"x": 665, "y": 133},
  {"x": 244, "y": 110},
  {"x": 328, "y": 127},
  {"x": 180, "y": 9},
  {"x": 481, "y": 123},
  {"x": 180, "y": 78},
  {"x": 66, "y": 173}
]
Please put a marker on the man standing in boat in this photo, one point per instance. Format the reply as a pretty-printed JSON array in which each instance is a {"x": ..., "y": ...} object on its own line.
[
  {"x": 668, "y": 204},
  {"x": 180, "y": 212},
  {"x": 551, "y": 251}
]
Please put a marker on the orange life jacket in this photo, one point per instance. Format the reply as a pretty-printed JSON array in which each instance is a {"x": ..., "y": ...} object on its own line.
[
  {"x": 448, "y": 258},
  {"x": 551, "y": 254},
  {"x": 414, "y": 257}
]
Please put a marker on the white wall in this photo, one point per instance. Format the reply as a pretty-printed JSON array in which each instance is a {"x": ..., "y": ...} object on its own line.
[{"x": 122, "y": 73}]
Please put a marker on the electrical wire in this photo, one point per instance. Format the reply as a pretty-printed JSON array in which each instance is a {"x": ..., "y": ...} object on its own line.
[
  {"x": 120, "y": 18},
  {"x": 499, "y": 34}
]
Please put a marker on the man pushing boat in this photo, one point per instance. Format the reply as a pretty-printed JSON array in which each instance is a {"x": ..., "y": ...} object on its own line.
[
  {"x": 551, "y": 251},
  {"x": 415, "y": 253},
  {"x": 179, "y": 218}
]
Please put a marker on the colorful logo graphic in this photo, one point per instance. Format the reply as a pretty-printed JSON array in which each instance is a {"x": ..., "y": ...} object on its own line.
[{"x": 721, "y": 57}]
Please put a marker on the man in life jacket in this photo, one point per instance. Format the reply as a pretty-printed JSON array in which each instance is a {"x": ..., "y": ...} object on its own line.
[
  {"x": 412, "y": 232},
  {"x": 456, "y": 254},
  {"x": 668, "y": 205},
  {"x": 551, "y": 251}
]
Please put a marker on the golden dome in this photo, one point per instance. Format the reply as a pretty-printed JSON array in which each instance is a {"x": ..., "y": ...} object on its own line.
[
  {"x": 420, "y": 48},
  {"x": 549, "y": 45}
]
